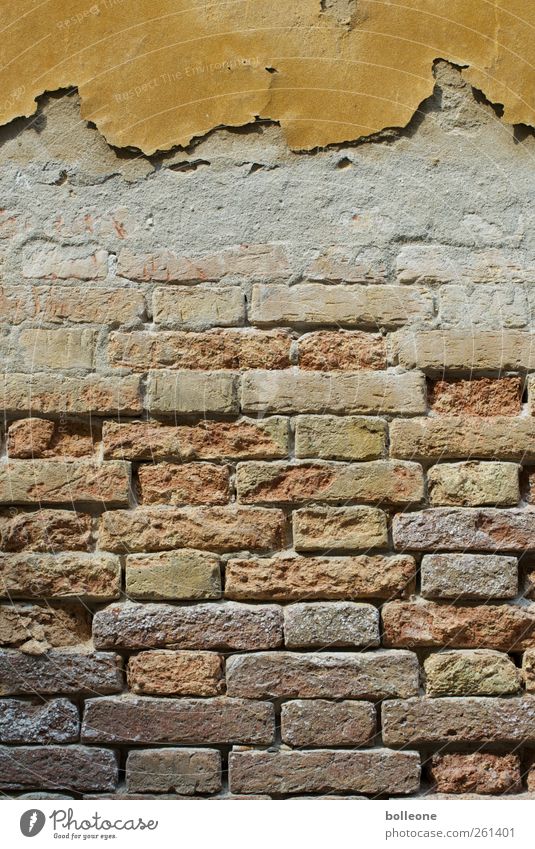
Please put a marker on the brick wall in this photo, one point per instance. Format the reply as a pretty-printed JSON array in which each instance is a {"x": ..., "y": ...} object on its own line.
[
  {"x": 266, "y": 530},
  {"x": 268, "y": 462}
]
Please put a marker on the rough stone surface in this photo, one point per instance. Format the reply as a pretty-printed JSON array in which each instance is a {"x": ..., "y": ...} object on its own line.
[
  {"x": 324, "y": 771},
  {"x": 459, "y": 437},
  {"x": 466, "y": 530},
  {"x": 184, "y": 771},
  {"x": 474, "y": 484},
  {"x": 481, "y": 672},
  {"x": 480, "y": 772},
  {"x": 435, "y": 351},
  {"x": 45, "y": 531},
  {"x": 367, "y": 675},
  {"x": 504, "y": 627},
  {"x": 205, "y": 528},
  {"x": 469, "y": 576},
  {"x": 129, "y": 719},
  {"x": 67, "y": 672},
  {"x": 225, "y": 349},
  {"x": 176, "y": 673},
  {"x": 88, "y": 577},
  {"x": 292, "y": 391},
  {"x": 209, "y": 440},
  {"x": 192, "y": 392},
  {"x": 56, "y": 482},
  {"x": 331, "y": 625},
  {"x": 42, "y": 438},
  {"x": 477, "y": 397},
  {"x": 339, "y": 528},
  {"x": 418, "y": 722},
  {"x": 383, "y": 481},
  {"x": 231, "y": 627},
  {"x": 298, "y": 578},
  {"x": 55, "y": 721},
  {"x": 528, "y": 670},
  {"x": 183, "y": 574},
  {"x": 189, "y": 483},
  {"x": 318, "y": 723},
  {"x": 77, "y": 768},
  {"x": 36, "y": 627},
  {"x": 340, "y": 437},
  {"x": 332, "y": 350}
]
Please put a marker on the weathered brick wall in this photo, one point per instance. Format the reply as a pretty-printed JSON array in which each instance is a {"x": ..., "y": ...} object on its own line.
[{"x": 266, "y": 507}]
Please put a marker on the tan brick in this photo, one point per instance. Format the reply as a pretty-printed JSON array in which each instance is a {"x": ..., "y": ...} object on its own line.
[
  {"x": 347, "y": 675},
  {"x": 381, "y": 480},
  {"x": 473, "y": 484},
  {"x": 479, "y": 772},
  {"x": 432, "y": 263},
  {"x": 335, "y": 624},
  {"x": 90, "y": 577},
  {"x": 311, "y": 304},
  {"x": 217, "y": 626},
  {"x": 531, "y": 394},
  {"x": 68, "y": 348},
  {"x": 330, "y": 350},
  {"x": 207, "y": 528},
  {"x": 34, "y": 628},
  {"x": 455, "y": 437},
  {"x": 80, "y": 769},
  {"x": 324, "y": 771},
  {"x": 123, "y": 719},
  {"x": 189, "y": 483},
  {"x": 165, "y": 266},
  {"x": 339, "y": 528},
  {"x": 471, "y": 576},
  {"x": 176, "y": 673},
  {"x": 198, "y": 308},
  {"x": 53, "y": 262},
  {"x": 42, "y": 392},
  {"x": 466, "y": 529},
  {"x": 336, "y": 265},
  {"x": 45, "y": 530},
  {"x": 208, "y": 440},
  {"x": 419, "y": 722},
  {"x": 490, "y": 307},
  {"x": 184, "y": 771},
  {"x": 471, "y": 673},
  {"x": 436, "y": 351},
  {"x": 528, "y": 670},
  {"x": 111, "y": 307},
  {"x": 214, "y": 349},
  {"x": 55, "y": 721},
  {"x": 294, "y": 391},
  {"x": 67, "y": 672},
  {"x": 483, "y": 396},
  {"x": 502, "y": 627},
  {"x": 58, "y": 482},
  {"x": 183, "y": 574},
  {"x": 40, "y": 438},
  {"x": 297, "y": 578},
  {"x": 185, "y": 392},
  {"x": 15, "y": 304},
  {"x": 320, "y": 723},
  {"x": 340, "y": 438}
]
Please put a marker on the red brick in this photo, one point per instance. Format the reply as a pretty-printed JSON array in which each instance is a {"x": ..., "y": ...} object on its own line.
[
  {"x": 176, "y": 673},
  {"x": 329, "y": 350},
  {"x": 480, "y": 772},
  {"x": 482, "y": 396},
  {"x": 189, "y": 483},
  {"x": 45, "y": 530},
  {"x": 503, "y": 627}
]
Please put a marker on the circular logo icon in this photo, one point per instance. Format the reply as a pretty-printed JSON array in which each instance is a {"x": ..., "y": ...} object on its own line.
[{"x": 32, "y": 822}]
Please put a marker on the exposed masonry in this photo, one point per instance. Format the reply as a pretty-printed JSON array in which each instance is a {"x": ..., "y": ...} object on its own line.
[{"x": 267, "y": 523}]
